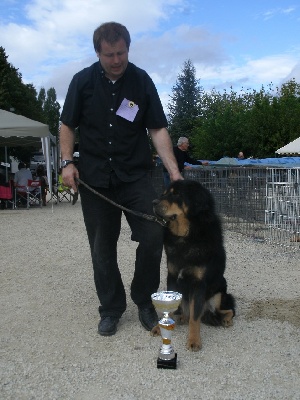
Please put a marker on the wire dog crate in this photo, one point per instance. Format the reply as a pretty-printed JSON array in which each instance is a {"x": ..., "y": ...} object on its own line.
[{"x": 263, "y": 203}]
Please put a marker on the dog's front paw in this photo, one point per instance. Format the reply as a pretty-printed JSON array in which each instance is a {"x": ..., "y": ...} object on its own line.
[
  {"x": 155, "y": 331},
  {"x": 194, "y": 345}
]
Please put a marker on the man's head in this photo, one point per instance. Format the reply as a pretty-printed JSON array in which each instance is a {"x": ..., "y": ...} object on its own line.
[
  {"x": 21, "y": 165},
  {"x": 183, "y": 143},
  {"x": 111, "y": 43},
  {"x": 241, "y": 155}
]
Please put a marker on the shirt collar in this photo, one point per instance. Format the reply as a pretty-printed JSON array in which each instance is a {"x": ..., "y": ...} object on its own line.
[{"x": 102, "y": 73}]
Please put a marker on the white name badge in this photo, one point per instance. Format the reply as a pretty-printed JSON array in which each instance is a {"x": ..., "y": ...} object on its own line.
[{"x": 128, "y": 110}]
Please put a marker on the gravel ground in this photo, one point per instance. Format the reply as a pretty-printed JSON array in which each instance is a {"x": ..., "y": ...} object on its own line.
[{"x": 50, "y": 348}]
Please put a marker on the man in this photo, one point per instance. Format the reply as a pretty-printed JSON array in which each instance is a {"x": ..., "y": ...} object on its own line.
[
  {"x": 21, "y": 177},
  {"x": 115, "y": 104},
  {"x": 21, "y": 182},
  {"x": 182, "y": 157}
]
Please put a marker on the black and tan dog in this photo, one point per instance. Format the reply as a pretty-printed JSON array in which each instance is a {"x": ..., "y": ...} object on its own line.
[{"x": 196, "y": 257}]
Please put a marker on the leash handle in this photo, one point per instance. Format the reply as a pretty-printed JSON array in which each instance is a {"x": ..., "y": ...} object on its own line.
[{"x": 137, "y": 213}]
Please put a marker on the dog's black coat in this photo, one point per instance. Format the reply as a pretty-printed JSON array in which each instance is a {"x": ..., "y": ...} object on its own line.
[{"x": 196, "y": 256}]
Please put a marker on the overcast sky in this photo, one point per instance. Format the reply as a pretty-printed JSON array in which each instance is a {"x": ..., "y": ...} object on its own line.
[{"x": 239, "y": 43}]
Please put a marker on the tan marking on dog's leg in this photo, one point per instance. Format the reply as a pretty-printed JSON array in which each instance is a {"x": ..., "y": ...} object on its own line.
[
  {"x": 155, "y": 331},
  {"x": 194, "y": 339},
  {"x": 215, "y": 302}
]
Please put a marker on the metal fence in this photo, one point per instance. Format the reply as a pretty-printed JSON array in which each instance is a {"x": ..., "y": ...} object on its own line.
[{"x": 263, "y": 203}]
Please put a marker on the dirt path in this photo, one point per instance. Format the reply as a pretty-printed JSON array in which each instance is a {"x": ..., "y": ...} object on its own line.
[{"x": 50, "y": 348}]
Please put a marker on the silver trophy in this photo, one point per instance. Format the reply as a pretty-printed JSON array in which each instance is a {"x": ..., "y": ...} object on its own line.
[{"x": 166, "y": 302}]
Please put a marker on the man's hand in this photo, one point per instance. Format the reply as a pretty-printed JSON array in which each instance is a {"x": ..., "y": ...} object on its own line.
[
  {"x": 176, "y": 177},
  {"x": 163, "y": 145},
  {"x": 69, "y": 174}
]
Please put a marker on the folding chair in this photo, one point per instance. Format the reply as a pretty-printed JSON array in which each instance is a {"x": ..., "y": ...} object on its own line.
[
  {"x": 21, "y": 196},
  {"x": 6, "y": 196},
  {"x": 63, "y": 192},
  {"x": 30, "y": 195},
  {"x": 34, "y": 193}
]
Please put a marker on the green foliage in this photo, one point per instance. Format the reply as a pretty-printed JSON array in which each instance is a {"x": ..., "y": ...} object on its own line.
[
  {"x": 22, "y": 99},
  {"x": 14, "y": 94},
  {"x": 50, "y": 108},
  {"x": 257, "y": 122},
  {"x": 184, "y": 105}
]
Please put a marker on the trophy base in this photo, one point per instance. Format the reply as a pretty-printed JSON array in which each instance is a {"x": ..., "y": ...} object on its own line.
[{"x": 167, "y": 364}]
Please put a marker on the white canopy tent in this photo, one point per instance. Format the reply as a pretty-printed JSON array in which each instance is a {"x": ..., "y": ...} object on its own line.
[
  {"x": 16, "y": 130},
  {"x": 291, "y": 148}
]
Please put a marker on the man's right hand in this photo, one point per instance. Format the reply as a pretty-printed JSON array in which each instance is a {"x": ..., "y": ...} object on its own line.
[
  {"x": 69, "y": 174},
  {"x": 176, "y": 176}
]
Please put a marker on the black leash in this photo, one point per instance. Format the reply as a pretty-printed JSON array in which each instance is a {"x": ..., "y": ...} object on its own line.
[{"x": 137, "y": 213}]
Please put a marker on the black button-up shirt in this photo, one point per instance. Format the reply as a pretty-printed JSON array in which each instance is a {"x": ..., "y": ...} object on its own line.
[{"x": 108, "y": 141}]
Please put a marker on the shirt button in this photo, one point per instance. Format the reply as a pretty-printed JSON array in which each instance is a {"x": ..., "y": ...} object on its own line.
[
  {"x": 111, "y": 109},
  {"x": 109, "y": 159},
  {"x": 109, "y": 142},
  {"x": 110, "y": 125}
]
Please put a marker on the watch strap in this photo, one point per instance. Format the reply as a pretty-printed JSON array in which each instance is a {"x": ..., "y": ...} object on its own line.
[{"x": 65, "y": 163}]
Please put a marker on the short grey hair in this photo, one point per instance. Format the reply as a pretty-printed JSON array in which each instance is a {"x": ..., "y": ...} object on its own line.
[{"x": 181, "y": 140}]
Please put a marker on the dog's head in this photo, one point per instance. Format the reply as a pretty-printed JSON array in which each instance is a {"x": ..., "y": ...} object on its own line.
[{"x": 182, "y": 201}]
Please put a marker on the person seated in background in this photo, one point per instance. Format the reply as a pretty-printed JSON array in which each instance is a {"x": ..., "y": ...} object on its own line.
[
  {"x": 241, "y": 156},
  {"x": 21, "y": 177},
  {"x": 42, "y": 177},
  {"x": 21, "y": 181}
]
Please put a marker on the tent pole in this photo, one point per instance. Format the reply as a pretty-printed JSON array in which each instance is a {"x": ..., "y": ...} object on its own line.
[{"x": 6, "y": 167}]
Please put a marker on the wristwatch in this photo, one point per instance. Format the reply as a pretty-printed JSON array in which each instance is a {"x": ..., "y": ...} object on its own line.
[{"x": 65, "y": 163}]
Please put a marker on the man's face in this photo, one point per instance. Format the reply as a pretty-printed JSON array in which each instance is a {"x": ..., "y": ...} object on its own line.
[
  {"x": 185, "y": 146},
  {"x": 114, "y": 58}
]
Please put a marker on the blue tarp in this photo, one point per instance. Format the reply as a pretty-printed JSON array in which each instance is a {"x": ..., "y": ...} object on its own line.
[{"x": 260, "y": 162}]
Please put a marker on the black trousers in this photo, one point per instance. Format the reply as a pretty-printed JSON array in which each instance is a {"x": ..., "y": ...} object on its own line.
[{"x": 103, "y": 224}]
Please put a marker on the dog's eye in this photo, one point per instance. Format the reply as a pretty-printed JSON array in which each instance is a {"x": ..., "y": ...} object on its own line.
[{"x": 173, "y": 217}]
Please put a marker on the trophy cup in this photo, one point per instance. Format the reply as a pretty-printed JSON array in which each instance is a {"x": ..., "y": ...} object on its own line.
[{"x": 166, "y": 302}]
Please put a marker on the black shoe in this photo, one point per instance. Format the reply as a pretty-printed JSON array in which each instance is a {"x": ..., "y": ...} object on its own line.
[
  {"x": 148, "y": 317},
  {"x": 108, "y": 326}
]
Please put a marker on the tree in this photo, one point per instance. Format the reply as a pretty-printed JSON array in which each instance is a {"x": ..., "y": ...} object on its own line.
[
  {"x": 287, "y": 110},
  {"x": 22, "y": 99},
  {"x": 184, "y": 106},
  {"x": 51, "y": 109},
  {"x": 10, "y": 83},
  {"x": 42, "y": 97},
  {"x": 255, "y": 122},
  {"x": 14, "y": 94}
]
